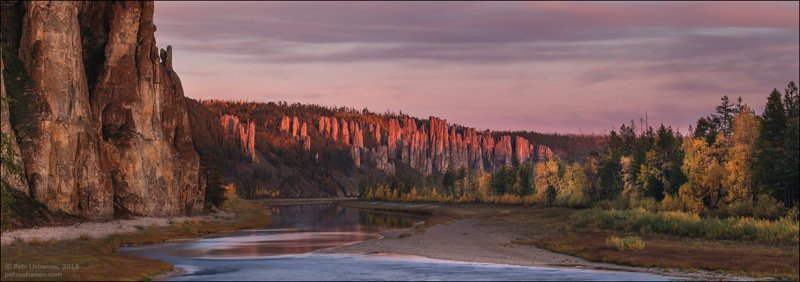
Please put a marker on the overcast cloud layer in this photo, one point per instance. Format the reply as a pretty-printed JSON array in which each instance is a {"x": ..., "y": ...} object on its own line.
[{"x": 544, "y": 66}]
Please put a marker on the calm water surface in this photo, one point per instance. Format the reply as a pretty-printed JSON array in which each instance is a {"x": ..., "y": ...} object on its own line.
[{"x": 285, "y": 250}]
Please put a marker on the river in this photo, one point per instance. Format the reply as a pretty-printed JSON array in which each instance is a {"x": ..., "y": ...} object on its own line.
[{"x": 286, "y": 250}]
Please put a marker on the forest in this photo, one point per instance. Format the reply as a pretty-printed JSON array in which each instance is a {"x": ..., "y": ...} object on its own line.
[
  {"x": 280, "y": 167},
  {"x": 735, "y": 167}
]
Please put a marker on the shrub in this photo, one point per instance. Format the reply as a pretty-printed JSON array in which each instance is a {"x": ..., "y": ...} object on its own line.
[
  {"x": 615, "y": 203},
  {"x": 572, "y": 200},
  {"x": 793, "y": 214},
  {"x": 669, "y": 203},
  {"x": 6, "y": 214},
  {"x": 767, "y": 207},
  {"x": 691, "y": 225},
  {"x": 649, "y": 204},
  {"x": 626, "y": 243},
  {"x": 215, "y": 188}
]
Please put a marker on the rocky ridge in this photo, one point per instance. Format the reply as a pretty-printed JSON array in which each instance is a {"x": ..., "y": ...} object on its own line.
[{"x": 427, "y": 146}]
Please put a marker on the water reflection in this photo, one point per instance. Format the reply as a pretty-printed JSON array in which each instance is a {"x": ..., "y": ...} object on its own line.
[
  {"x": 285, "y": 251},
  {"x": 295, "y": 229},
  {"x": 331, "y": 217}
]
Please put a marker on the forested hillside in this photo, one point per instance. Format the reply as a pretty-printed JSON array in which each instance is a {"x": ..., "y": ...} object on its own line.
[
  {"x": 293, "y": 150},
  {"x": 732, "y": 163}
]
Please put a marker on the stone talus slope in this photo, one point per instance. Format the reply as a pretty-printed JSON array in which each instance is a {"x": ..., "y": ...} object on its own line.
[{"x": 112, "y": 133}]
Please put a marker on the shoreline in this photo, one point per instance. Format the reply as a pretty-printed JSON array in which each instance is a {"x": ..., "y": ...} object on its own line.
[
  {"x": 94, "y": 230},
  {"x": 303, "y": 201},
  {"x": 471, "y": 233},
  {"x": 100, "y": 230},
  {"x": 95, "y": 257},
  {"x": 466, "y": 236}
]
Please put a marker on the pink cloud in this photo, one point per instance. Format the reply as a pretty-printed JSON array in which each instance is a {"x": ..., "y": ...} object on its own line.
[{"x": 548, "y": 66}]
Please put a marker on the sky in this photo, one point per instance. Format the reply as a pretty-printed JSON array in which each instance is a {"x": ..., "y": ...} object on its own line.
[{"x": 577, "y": 67}]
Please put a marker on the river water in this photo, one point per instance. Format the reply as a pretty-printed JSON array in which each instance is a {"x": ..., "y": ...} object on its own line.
[{"x": 285, "y": 250}]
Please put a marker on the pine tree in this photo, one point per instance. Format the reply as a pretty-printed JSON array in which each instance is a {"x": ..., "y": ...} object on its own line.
[
  {"x": 791, "y": 103},
  {"x": 725, "y": 113},
  {"x": 449, "y": 181},
  {"x": 771, "y": 165},
  {"x": 500, "y": 181}
]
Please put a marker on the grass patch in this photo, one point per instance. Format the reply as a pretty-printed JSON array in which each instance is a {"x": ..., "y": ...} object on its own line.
[
  {"x": 96, "y": 259},
  {"x": 554, "y": 229},
  {"x": 644, "y": 222},
  {"x": 626, "y": 243}
]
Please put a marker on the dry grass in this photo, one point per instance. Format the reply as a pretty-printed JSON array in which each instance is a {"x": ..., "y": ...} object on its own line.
[
  {"x": 745, "y": 258},
  {"x": 36, "y": 241},
  {"x": 97, "y": 258},
  {"x": 553, "y": 228},
  {"x": 685, "y": 224},
  {"x": 626, "y": 243}
]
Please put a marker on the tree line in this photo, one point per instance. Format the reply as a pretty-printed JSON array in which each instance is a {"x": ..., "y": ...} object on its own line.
[{"x": 733, "y": 162}]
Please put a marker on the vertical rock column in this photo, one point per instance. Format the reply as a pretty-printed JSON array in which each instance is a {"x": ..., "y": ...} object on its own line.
[
  {"x": 62, "y": 153},
  {"x": 145, "y": 128}
]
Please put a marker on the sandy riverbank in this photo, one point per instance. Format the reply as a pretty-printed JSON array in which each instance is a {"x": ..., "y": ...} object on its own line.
[
  {"x": 93, "y": 230},
  {"x": 472, "y": 239},
  {"x": 97, "y": 259}
]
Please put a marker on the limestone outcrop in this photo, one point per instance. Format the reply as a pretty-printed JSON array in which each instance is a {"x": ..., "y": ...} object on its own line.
[
  {"x": 106, "y": 131},
  {"x": 428, "y": 146},
  {"x": 244, "y": 133}
]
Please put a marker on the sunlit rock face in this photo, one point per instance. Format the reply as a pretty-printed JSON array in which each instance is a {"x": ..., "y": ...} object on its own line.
[
  {"x": 296, "y": 130},
  {"x": 544, "y": 153},
  {"x": 244, "y": 133},
  {"x": 430, "y": 146},
  {"x": 109, "y": 131}
]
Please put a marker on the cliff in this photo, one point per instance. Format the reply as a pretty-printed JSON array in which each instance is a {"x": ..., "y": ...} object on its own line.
[
  {"x": 311, "y": 151},
  {"x": 427, "y": 146},
  {"x": 100, "y": 122}
]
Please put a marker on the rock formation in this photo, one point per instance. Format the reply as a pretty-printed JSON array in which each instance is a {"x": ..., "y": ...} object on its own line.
[
  {"x": 297, "y": 131},
  {"x": 285, "y": 125},
  {"x": 14, "y": 180},
  {"x": 433, "y": 146},
  {"x": 62, "y": 155},
  {"x": 244, "y": 133},
  {"x": 109, "y": 131},
  {"x": 543, "y": 153}
]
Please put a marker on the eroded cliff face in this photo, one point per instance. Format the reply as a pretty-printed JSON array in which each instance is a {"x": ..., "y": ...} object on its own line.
[
  {"x": 62, "y": 155},
  {"x": 426, "y": 146},
  {"x": 244, "y": 133},
  {"x": 110, "y": 133}
]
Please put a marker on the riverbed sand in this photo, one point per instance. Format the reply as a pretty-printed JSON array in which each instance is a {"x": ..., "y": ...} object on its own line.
[
  {"x": 94, "y": 229},
  {"x": 473, "y": 240}
]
